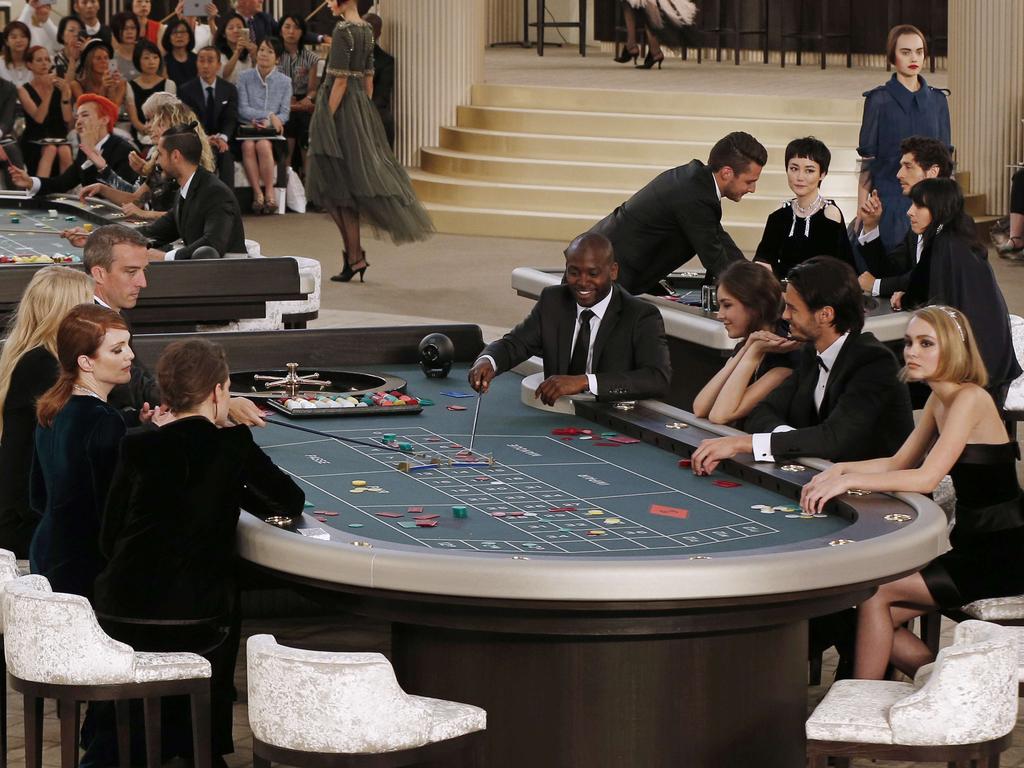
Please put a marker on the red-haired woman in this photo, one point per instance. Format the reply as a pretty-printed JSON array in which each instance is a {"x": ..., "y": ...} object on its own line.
[{"x": 76, "y": 447}]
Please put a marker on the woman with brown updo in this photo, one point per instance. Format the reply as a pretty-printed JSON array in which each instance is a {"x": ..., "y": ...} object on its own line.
[{"x": 169, "y": 528}]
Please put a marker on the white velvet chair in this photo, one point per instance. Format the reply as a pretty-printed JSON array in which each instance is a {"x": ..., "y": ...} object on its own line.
[
  {"x": 313, "y": 708},
  {"x": 55, "y": 649},
  {"x": 961, "y": 708},
  {"x": 8, "y": 572}
]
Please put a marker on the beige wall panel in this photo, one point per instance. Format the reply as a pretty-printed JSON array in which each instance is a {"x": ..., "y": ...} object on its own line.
[
  {"x": 439, "y": 53},
  {"x": 986, "y": 77},
  {"x": 504, "y": 21}
]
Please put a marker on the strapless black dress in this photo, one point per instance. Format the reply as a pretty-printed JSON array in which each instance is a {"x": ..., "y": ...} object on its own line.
[{"x": 987, "y": 555}]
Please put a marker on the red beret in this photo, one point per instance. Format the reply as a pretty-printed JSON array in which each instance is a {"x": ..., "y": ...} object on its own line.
[{"x": 107, "y": 107}]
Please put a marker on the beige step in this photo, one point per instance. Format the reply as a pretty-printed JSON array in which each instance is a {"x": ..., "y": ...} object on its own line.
[
  {"x": 671, "y": 103},
  {"x": 663, "y": 153},
  {"x": 601, "y": 175},
  {"x": 545, "y": 225},
  {"x": 567, "y": 122}
]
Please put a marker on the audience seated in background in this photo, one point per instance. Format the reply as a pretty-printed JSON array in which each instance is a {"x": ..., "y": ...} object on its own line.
[
  {"x": 168, "y": 534},
  {"x": 95, "y": 76},
  {"x": 264, "y": 105},
  {"x": 203, "y": 32},
  {"x": 954, "y": 270},
  {"x": 960, "y": 433},
  {"x": 77, "y": 437},
  {"x": 89, "y": 13},
  {"x": 808, "y": 224},
  {"x": 151, "y": 79},
  {"x": 1014, "y": 245},
  {"x": 124, "y": 33},
  {"x": 46, "y": 102},
  {"x": 383, "y": 79},
  {"x": 71, "y": 36},
  {"x": 592, "y": 335},
  {"x": 921, "y": 158},
  {"x": 844, "y": 401},
  {"x": 237, "y": 50},
  {"x": 750, "y": 308},
  {"x": 215, "y": 101},
  {"x": 149, "y": 29},
  {"x": 13, "y": 56},
  {"x": 28, "y": 367},
  {"x": 179, "y": 57},
  {"x": 8, "y": 115},
  {"x": 263, "y": 25},
  {"x": 98, "y": 148},
  {"x": 36, "y": 16},
  {"x": 300, "y": 65}
]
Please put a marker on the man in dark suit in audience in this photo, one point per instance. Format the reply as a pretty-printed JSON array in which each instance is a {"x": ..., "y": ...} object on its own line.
[
  {"x": 678, "y": 215},
  {"x": 889, "y": 272},
  {"x": 844, "y": 402},
  {"x": 383, "y": 79},
  {"x": 215, "y": 102},
  {"x": 98, "y": 149},
  {"x": 206, "y": 215},
  {"x": 593, "y": 336}
]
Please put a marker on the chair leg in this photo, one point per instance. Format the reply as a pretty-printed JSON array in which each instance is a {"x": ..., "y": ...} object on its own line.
[
  {"x": 823, "y": 31},
  {"x": 540, "y": 27},
  {"x": 814, "y": 669},
  {"x": 151, "y": 710},
  {"x": 817, "y": 761},
  {"x": 259, "y": 762},
  {"x": 69, "y": 725},
  {"x": 122, "y": 712},
  {"x": 3, "y": 707},
  {"x": 33, "y": 731},
  {"x": 202, "y": 745}
]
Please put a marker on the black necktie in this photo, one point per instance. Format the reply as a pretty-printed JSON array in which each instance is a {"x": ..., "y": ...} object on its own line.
[
  {"x": 208, "y": 123},
  {"x": 578, "y": 361},
  {"x": 821, "y": 364}
]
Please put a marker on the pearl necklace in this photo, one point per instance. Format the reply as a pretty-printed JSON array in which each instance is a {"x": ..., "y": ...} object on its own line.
[
  {"x": 85, "y": 391},
  {"x": 810, "y": 210}
]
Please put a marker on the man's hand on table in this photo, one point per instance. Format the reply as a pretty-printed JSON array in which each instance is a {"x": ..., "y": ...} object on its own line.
[
  {"x": 76, "y": 236},
  {"x": 480, "y": 375},
  {"x": 555, "y": 387},
  {"x": 712, "y": 452}
]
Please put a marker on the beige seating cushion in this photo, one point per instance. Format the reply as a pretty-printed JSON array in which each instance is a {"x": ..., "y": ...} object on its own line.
[
  {"x": 858, "y": 711},
  {"x": 996, "y": 608},
  {"x": 150, "y": 667}
]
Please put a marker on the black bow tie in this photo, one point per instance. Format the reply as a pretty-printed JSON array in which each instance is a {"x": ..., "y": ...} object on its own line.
[{"x": 821, "y": 364}]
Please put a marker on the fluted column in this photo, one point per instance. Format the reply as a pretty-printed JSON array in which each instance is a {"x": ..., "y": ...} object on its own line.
[
  {"x": 438, "y": 47},
  {"x": 986, "y": 78},
  {"x": 504, "y": 21}
]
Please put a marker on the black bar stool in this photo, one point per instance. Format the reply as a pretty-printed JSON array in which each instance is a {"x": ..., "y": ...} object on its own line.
[
  {"x": 822, "y": 35},
  {"x": 541, "y": 24},
  {"x": 721, "y": 31},
  {"x": 894, "y": 16}
]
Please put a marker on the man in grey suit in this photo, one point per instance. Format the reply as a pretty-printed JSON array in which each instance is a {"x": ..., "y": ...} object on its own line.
[
  {"x": 593, "y": 336},
  {"x": 679, "y": 215}
]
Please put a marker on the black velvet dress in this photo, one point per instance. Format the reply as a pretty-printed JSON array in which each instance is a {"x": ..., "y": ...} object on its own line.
[
  {"x": 789, "y": 239},
  {"x": 987, "y": 555},
  {"x": 169, "y": 537},
  {"x": 71, "y": 471},
  {"x": 35, "y": 373}
]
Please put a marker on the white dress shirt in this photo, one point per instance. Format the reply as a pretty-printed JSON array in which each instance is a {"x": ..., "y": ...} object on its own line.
[
  {"x": 169, "y": 256},
  {"x": 867, "y": 237},
  {"x": 599, "y": 311},
  {"x": 762, "y": 441},
  {"x": 37, "y": 184}
]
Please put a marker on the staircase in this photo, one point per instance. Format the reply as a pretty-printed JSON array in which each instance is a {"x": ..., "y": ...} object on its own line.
[{"x": 546, "y": 163}]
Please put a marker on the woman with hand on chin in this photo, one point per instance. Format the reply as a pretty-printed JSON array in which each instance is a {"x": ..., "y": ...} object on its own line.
[
  {"x": 76, "y": 445},
  {"x": 353, "y": 175},
  {"x": 750, "y": 308},
  {"x": 960, "y": 433}
]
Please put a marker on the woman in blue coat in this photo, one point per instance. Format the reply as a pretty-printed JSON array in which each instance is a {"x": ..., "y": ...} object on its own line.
[{"x": 905, "y": 106}]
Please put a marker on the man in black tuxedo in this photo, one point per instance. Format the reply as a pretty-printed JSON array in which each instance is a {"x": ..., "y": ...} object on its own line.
[
  {"x": 383, "y": 78},
  {"x": 215, "y": 102},
  {"x": 98, "y": 150},
  {"x": 593, "y": 336},
  {"x": 678, "y": 215},
  {"x": 889, "y": 273},
  {"x": 206, "y": 215},
  {"x": 844, "y": 402}
]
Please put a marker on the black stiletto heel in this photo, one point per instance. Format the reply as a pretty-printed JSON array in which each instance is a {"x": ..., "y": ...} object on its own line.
[
  {"x": 650, "y": 61},
  {"x": 346, "y": 271},
  {"x": 628, "y": 53}
]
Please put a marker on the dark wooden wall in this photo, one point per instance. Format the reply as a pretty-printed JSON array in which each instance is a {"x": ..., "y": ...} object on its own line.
[{"x": 871, "y": 20}]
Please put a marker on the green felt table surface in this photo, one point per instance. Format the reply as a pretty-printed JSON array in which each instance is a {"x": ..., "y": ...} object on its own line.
[
  {"x": 611, "y": 489},
  {"x": 37, "y": 233}
]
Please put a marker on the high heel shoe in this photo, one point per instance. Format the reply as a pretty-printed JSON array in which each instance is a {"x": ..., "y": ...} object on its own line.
[
  {"x": 650, "y": 61},
  {"x": 628, "y": 53},
  {"x": 347, "y": 272}
]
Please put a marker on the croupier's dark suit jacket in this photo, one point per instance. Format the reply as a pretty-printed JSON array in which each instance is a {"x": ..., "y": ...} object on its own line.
[
  {"x": 893, "y": 268},
  {"x": 208, "y": 216},
  {"x": 661, "y": 227},
  {"x": 115, "y": 151},
  {"x": 630, "y": 352},
  {"x": 865, "y": 413}
]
